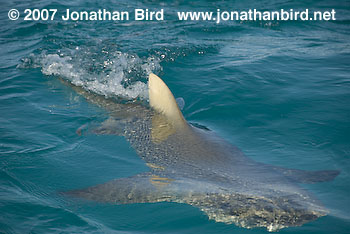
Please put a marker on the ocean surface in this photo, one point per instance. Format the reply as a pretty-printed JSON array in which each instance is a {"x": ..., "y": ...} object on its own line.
[{"x": 280, "y": 91}]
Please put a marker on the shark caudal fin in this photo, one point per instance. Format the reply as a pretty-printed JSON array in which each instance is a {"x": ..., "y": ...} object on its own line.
[{"x": 162, "y": 100}]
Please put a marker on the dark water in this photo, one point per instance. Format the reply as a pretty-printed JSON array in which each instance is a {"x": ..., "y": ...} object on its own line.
[{"x": 280, "y": 91}]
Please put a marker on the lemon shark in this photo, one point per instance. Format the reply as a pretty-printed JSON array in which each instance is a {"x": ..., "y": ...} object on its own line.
[{"x": 192, "y": 165}]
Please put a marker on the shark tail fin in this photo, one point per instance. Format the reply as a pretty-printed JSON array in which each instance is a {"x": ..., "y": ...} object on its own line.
[{"x": 162, "y": 100}]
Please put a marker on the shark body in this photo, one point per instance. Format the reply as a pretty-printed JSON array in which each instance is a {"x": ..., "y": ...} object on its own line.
[{"x": 194, "y": 166}]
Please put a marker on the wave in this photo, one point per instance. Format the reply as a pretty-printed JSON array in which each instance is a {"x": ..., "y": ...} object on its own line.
[{"x": 111, "y": 74}]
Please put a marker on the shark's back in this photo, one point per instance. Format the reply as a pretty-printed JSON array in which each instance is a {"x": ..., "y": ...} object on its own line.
[{"x": 194, "y": 166}]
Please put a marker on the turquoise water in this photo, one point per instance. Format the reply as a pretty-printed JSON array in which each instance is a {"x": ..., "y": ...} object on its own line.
[{"x": 280, "y": 91}]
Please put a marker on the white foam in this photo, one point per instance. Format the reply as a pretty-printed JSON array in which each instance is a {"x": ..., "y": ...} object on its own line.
[{"x": 118, "y": 74}]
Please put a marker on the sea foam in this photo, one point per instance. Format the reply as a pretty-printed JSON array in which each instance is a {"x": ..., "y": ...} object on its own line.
[{"x": 111, "y": 74}]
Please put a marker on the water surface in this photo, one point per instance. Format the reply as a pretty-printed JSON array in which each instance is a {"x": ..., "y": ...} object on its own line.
[{"x": 277, "y": 90}]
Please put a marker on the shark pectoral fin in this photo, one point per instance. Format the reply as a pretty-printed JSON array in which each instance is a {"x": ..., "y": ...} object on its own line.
[
  {"x": 142, "y": 188},
  {"x": 302, "y": 176}
]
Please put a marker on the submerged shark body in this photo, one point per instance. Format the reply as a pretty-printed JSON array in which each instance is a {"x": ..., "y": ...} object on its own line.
[{"x": 192, "y": 165}]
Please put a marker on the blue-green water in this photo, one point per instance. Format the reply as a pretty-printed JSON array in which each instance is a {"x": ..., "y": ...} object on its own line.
[{"x": 280, "y": 91}]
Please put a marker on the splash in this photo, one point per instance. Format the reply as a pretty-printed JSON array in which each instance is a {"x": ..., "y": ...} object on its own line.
[{"x": 111, "y": 74}]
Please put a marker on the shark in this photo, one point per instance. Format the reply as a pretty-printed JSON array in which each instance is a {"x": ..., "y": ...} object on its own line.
[{"x": 190, "y": 164}]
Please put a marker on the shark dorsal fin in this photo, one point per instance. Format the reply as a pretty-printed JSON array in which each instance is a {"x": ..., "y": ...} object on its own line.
[{"x": 162, "y": 100}]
